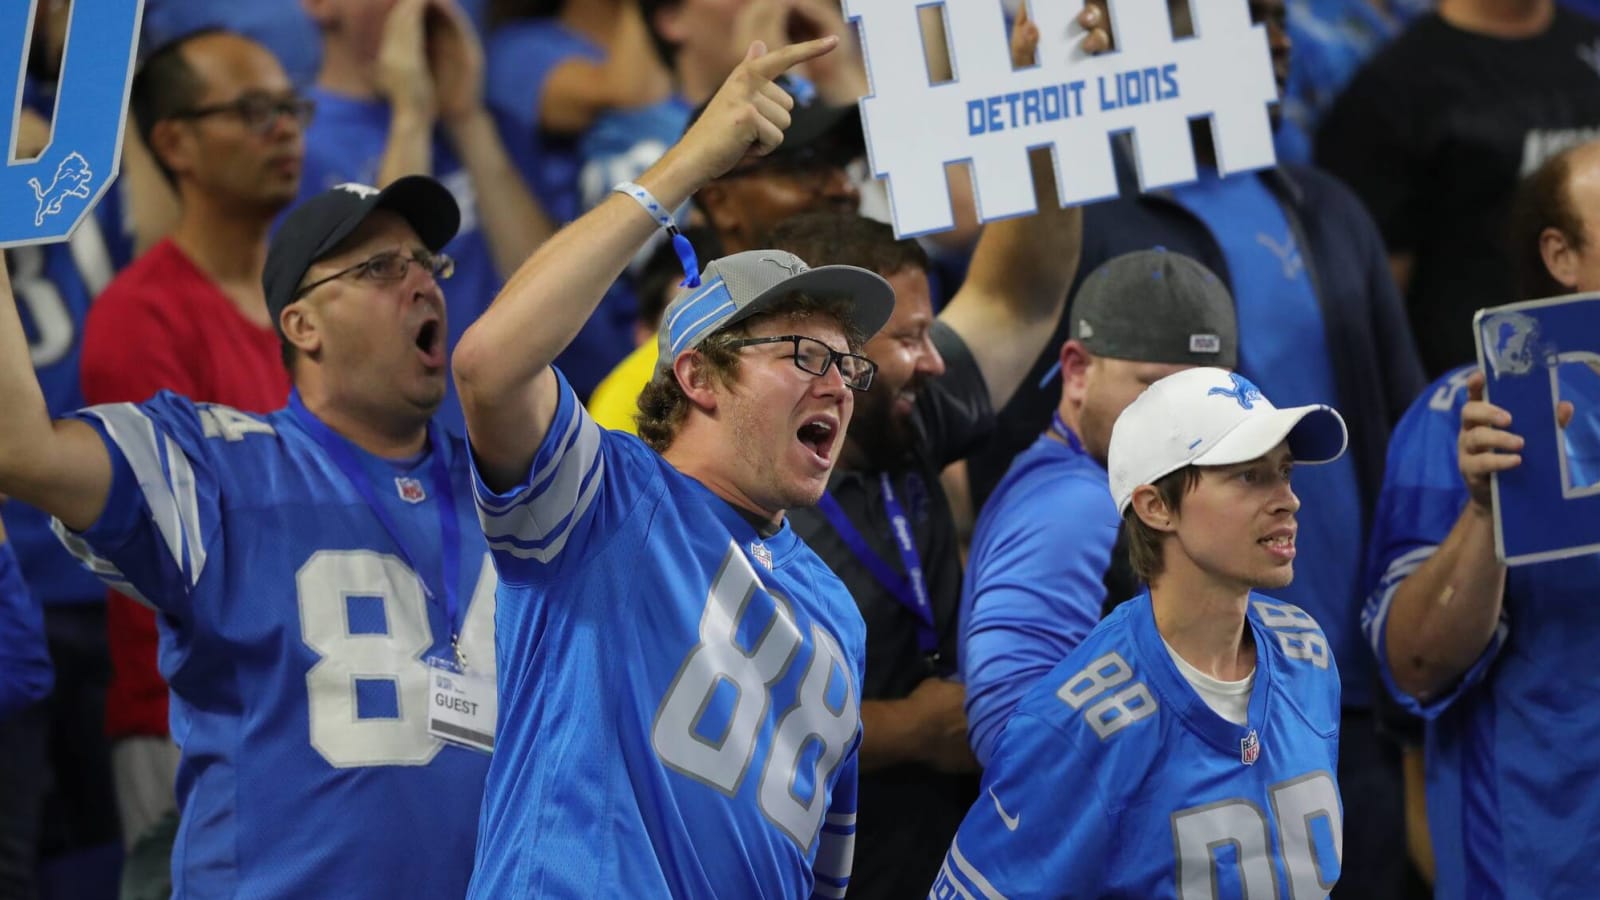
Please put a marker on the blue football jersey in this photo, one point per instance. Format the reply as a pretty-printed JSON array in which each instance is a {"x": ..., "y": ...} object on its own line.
[
  {"x": 25, "y": 671},
  {"x": 1115, "y": 779},
  {"x": 54, "y": 285},
  {"x": 295, "y": 634},
  {"x": 679, "y": 697},
  {"x": 1511, "y": 748},
  {"x": 1032, "y": 594}
]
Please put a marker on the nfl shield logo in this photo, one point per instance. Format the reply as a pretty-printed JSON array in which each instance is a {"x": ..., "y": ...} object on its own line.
[
  {"x": 761, "y": 553},
  {"x": 1250, "y": 748},
  {"x": 410, "y": 490}
]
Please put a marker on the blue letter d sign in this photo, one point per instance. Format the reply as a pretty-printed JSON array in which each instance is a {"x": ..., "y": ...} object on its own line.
[{"x": 41, "y": 200}]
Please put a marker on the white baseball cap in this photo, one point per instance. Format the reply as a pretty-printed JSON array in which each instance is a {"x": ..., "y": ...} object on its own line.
[{"x": 1211, "y": 417}]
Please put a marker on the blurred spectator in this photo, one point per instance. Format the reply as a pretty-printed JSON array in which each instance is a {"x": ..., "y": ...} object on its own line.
[
  {"x": 1499, "y": 661},
  {"x": 25, "y": 673},
  {"x": 225, "y": 126},
  {"x": 283, "y": 27},
  {"x": 1332, "y": 40},
  {"x": 584, "y": 103},
  {"x": 400, "y": 92},
  {"x": 1033, "y": 593},
  {"x": 1319, "y": 318},
  {"x": 1435, "y": 132},
  {"x": 56, "y": 796}
]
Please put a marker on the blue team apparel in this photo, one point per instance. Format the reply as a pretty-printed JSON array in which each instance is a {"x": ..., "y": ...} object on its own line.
[
  {"x": 1034, "y": 584},
  {"x": 1115, "y": 779},
  {"x": 345, "y": 143},
  {"x": 1511, "y": 747},
  {"x": 679, "y": 696},
  {"x": 296, "y": 628},
  {"x": 54, "y": 285},
  {"x": 1282, "y": 331},
  {"x": 25, "y": 671}
]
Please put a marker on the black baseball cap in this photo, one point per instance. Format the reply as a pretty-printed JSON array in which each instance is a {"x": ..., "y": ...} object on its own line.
[
  {"x": 1157, "y": 306},
  {"x": 316, "y": 227}
]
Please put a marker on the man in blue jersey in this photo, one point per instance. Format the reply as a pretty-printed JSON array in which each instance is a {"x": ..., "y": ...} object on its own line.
[
  {"x": 1187, "y": 747},
  {"x": 1499, "y": 661},
  {"x": 400, "y": 92},
  {"x": 708, "y": 665},
  {"x": 326, "y": 602},
  {"x": 1032, "y": 594}
]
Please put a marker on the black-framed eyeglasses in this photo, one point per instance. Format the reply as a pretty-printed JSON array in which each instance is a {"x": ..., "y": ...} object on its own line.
[
  {"x": 389, "y": 266},
  {"x": 814, "y": 357},
  {"x": 258, "y": 112}
]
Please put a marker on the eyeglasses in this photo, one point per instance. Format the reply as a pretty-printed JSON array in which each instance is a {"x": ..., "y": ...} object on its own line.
[
  {"x": 258, "y": 112},
  {"x": 389, "y": 267},
  {"x": 814, "y": 357}
]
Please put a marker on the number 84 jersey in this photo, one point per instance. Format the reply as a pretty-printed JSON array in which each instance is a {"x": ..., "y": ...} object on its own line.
[
  {"x": 1115, "y": 779},
  {"x": 295, "y": 635}
]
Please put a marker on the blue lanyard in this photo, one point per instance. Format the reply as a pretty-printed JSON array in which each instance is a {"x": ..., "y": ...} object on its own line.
[
  {"x": 1058, "y": 427},
  {"x": 339, "y": 450},
  {"x": 911, "y": 589}
]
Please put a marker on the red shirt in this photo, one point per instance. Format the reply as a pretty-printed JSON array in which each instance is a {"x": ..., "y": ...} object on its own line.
[{"x": 162, "y": 324}]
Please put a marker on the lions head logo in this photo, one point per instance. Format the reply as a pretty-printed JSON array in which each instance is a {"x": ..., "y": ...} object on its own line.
[
  {"x": 72, "y": 180},
  {"x": 1511, "y": 342}
]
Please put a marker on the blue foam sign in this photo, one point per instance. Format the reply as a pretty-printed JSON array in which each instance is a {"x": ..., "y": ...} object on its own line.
[
  {"x": 43, "y": 199},
  {"x": 1536, "y": 355}
]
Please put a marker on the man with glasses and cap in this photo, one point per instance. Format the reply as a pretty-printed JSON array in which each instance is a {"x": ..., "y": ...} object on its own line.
[
  {"x": 681, "y": 676},
  {"x": 326, "y": 602},
  {"x": 1187, "y": 747}
]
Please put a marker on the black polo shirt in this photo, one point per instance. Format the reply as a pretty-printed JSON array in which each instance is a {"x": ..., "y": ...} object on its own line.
[{"x": 908, "y": 814}]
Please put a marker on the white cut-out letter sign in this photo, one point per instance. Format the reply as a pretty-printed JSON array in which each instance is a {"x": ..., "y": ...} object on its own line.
[{"x": 991, "y": 115}]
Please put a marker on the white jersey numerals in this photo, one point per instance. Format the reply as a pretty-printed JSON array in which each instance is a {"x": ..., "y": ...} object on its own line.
[
  {"x": 719, "y": 753},
  {"x": 1111, "y": 711},
  {"x": 1296, "y": 631},
  {"x": 364, "y": 613},
  {"x": 1309, "y": 826}
]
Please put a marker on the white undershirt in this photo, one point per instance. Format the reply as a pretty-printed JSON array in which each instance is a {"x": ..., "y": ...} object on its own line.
[{"x": 1228, "y": 699}]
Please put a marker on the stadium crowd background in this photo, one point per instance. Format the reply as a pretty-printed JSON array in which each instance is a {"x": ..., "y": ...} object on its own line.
[{"x": 1429, "y": 117}]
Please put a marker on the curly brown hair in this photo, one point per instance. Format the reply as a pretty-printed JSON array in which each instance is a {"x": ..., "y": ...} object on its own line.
[{"x": 663, "y": 406}]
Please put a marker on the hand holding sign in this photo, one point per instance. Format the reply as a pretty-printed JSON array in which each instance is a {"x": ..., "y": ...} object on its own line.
[
  {"x": 42, "y": 200},
  {"x": 992, "y": 114}
]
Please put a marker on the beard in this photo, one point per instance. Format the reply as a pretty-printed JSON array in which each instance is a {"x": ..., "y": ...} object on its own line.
[{"x": 883, "y": 440}]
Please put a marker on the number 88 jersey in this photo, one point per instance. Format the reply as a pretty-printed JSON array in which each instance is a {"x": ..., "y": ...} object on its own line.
[
  {"x": 679, "y": 695},
  {"x": 1115, "y": 779}
]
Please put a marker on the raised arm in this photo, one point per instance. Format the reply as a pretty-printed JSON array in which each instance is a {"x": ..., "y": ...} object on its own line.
[
  {"x": 513, "y": 222},
  {"x": 60, "y": 467},
  {"x": 1445, "y": 613},
  {"x": 1017, "y": 284},
  {"x": 502, "y": 364}
]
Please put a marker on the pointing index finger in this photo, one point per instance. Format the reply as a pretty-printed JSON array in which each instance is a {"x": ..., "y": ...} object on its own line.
[{"x": 776, "y": 62}]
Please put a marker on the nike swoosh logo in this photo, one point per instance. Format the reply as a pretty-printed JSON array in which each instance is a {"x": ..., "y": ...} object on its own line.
[{"x": 1011, "y": 822}]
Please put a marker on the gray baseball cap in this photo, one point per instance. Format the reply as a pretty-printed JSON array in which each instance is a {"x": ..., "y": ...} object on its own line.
[
  {"x": 739, "y": 286},
  {"x": 1157, "y": 306}
]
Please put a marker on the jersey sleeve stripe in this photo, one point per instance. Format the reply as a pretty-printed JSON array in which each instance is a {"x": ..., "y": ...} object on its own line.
[
  {"x": 97, "y": 565},
  {"x": 542, "y": 473},
  {"x": 969, "y": 874},
  {"x": 1375, "y": 615},
  {"x": 828, "y": 889},
  {"x": 549, "y": 547},
  {"x": 168, "y": 496},
  {"x": 836, "y": 854}
]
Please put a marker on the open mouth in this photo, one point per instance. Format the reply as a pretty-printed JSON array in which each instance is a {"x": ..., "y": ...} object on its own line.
[
  {"x": 430, "y": 342},
  {"x": 817, "y": 435},
  {"x": 1281, "y": 544}
]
